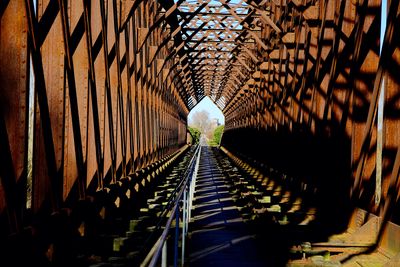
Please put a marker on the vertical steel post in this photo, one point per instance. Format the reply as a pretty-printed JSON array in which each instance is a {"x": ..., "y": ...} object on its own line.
[
  {"x": 190, "y": 199},
  {"x": 164, "y": 255},
  {"x": 380, "y": 123},
  {"x": 184, "y": 215},
  {"x": 192, "y": 186},
  {"x": 176, "y": 244}
]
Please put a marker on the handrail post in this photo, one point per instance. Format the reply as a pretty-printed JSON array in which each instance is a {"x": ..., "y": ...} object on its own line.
[
  {"x": 193, "y": 184},
  {"x": 191, "y": 192},
  {"x": 184, "y": 203},
  {"x": 164, "y": 255},
  {"x": 176, "y": 244},
  {"x": 187, "y": 209}
]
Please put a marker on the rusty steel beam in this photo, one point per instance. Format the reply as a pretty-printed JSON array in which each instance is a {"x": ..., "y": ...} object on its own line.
[
  {"x": 325, "y": 83},
  {"x": 91, "y": 120},
  {"x": 114, "y": 82}
]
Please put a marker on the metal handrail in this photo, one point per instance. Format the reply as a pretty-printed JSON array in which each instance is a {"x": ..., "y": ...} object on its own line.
[
  {"x": 167, "y": 207},
  {"x": 187, "y": 184}
]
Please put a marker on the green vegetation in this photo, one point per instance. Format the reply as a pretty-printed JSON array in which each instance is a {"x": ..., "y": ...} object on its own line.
[
  {"x": 195, "y": 133},
  {"x": 216, "y": 140}
]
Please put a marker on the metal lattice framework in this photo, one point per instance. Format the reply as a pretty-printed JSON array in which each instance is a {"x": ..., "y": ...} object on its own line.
[
  {"x": 213, "y": 33},
  {"x": 91, "y": 95},
  {"x": 95, "y": 91}
]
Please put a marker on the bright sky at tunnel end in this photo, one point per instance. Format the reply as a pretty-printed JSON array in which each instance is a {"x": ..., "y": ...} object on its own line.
[{"x": 209, "y": 106}]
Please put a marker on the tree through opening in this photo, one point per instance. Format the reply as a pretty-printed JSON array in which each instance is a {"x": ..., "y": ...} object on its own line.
[{"x": 206, "y": 120}]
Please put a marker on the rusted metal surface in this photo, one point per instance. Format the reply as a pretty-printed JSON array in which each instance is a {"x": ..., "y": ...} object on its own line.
[
  {"x": 114, "y": 82},
  {"x": 327, "y": 94},
  {"x": 13, "y": 102},
  {"x": 106, "y": 102}
]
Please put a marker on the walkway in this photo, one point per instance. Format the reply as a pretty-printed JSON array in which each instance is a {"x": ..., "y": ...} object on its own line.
[{"x": 218, "y": 235}]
